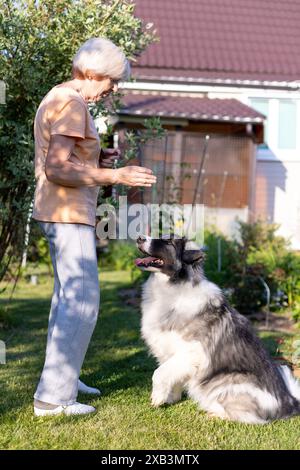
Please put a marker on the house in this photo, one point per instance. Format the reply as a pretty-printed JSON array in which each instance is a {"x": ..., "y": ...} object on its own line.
[{"x": 225, "y": 80}]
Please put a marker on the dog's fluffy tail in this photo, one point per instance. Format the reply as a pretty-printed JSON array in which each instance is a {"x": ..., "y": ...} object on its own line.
[{"x": 291, "y": 382}]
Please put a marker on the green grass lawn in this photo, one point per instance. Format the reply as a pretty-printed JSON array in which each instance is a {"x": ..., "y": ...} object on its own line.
[{"x": 118, "y": 363}]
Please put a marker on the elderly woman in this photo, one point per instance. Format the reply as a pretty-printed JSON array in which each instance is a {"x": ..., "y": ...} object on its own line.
[{"x": 69, "y": 169}]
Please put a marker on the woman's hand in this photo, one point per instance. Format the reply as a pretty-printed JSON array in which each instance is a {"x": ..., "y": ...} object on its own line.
[
  {"x": 135, "y": 176},
  {"x": 130, "y": 175},
  {"x": 108, "y": 157}
]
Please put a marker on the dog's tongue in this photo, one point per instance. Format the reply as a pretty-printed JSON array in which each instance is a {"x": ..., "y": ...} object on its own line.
[{"x": 147, "y": 260}]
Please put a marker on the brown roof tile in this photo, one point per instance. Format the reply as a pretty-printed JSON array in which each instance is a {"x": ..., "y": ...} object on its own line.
[
  {"x": 255, "y": 39},
  {"x": 203, "y": 109}
]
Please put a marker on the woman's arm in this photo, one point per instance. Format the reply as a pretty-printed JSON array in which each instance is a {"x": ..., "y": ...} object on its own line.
[{"x": 61, "y": 171}]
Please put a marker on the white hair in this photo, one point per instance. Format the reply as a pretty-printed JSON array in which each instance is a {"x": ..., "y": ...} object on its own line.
[{"x": 102, "y": 57}]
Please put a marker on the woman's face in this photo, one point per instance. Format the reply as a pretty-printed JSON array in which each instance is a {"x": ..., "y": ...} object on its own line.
[{"x": 95, "y": 89}]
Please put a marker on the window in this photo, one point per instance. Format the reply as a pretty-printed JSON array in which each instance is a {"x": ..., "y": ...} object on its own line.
[
  {"x": 262, "y": 106},
  {"x": 287, "y": 123}
]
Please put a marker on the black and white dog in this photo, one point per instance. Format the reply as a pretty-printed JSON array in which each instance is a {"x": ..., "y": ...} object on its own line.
[{"x": 203, "y": 345}]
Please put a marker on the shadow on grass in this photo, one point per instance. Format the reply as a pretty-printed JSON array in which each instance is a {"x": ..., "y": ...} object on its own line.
[
  {"x": 117, "y": 359},
  {"x": 117, "y": 355}
]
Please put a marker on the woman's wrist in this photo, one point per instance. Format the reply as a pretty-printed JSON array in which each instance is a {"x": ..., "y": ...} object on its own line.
[
  {"x": 115, "y": 176},
  {"x": 107, "y": 176}
]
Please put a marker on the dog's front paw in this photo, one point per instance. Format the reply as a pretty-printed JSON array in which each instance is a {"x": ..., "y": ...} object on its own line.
[{"x": 158, "y": 398}]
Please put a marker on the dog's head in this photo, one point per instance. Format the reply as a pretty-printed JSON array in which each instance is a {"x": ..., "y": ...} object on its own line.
[{"x": 178, "y": 258}]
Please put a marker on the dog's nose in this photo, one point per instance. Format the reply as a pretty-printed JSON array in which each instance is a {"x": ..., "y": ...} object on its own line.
[{"x": 141, "y": 239}]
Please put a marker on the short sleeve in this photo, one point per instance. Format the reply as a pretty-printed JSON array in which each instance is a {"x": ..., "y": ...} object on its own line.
[{"x": 69, "y": 120}]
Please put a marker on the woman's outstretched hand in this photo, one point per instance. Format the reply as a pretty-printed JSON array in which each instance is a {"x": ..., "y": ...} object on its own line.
[
  {"x": 135, "y": 176},
  {"x": 128, "y": 175}
]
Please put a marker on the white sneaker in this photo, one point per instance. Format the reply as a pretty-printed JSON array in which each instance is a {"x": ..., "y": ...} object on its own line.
[
  {"x": 88, "y": 390},
  {"x": 68, "y": 410}
]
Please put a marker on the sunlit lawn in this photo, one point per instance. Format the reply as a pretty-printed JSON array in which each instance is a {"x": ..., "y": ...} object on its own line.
[{"x": 118, "y": 363}]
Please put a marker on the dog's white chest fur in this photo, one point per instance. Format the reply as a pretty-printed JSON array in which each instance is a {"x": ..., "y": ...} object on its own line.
[{"x": 179, "y": 301}]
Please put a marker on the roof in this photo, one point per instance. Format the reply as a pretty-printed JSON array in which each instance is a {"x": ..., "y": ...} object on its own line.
[
  {"x": 233, "y": 39},
  {"x": 200, "y": 109}
]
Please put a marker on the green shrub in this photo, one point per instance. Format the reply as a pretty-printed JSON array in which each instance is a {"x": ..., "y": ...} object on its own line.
[
  {"x": 221, "y": 255},
  {"x": 258, "y": 256},
  {"x": 265, "y": 256},
  {"x": 120, "y": 256}
]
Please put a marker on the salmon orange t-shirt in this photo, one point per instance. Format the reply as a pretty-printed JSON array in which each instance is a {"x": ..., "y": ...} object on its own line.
[{"x": 63, "y": 111}]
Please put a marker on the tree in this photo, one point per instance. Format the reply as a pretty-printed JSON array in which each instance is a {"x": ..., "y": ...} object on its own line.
[{"x": 37, "y": 42}]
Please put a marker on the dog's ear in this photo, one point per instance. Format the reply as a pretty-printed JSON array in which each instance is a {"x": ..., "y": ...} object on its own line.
[{"x": 193, "y": 256}]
